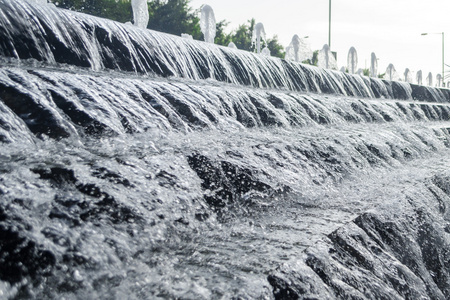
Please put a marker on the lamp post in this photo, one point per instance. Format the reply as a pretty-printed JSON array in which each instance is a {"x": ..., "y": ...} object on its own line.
[
  {"x": 443, "y": 64},
  {"x": 329, "y": 24}
]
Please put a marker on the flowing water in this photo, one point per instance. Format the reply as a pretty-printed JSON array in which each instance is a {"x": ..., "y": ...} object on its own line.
[{"x": 141, "y": 165}]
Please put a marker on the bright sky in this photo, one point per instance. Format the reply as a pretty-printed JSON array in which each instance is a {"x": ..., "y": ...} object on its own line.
[{"x": 389, "y": 28}]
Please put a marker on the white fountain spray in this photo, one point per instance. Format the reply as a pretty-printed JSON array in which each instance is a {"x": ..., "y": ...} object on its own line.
[
  {"x": 187, "y": 36},
  {"x": 408, "y": 76},
  {"x": 352, "y": 60},
  {"x": 419, "y": 77},
  {"x": 208, "y": 24},
  {"x": 232, "y": 45},
  {"x": 295, "y": 45},
  {"x": 140, "y": 13},
  {"x": 429, "y": 79},
  {"x": 38, "y": 1},
  {"x": 265, "y": 51},
  {"x": 258, "y": 34},
  {"x": 391, "y": 73},
  {"x": 438, "y": 80},
  {"x": 373, "y": 65},
  {"x": 326, "y": 58},
  {"x": 298, "y": 50}
]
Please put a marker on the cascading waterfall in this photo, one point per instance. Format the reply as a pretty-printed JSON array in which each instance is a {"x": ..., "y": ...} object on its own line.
[{"x": 140, "y": 165}]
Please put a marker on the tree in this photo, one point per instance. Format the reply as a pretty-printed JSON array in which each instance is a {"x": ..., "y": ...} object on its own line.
[
  {"x": 314, "y": 60},
  {"x": 175, "y": 17},
  {"x": 276, "y": 49},
  {"x": 222, "y": 38},
  {"x": 242, "y": 37},
  {"x": 110, "y": 9}
]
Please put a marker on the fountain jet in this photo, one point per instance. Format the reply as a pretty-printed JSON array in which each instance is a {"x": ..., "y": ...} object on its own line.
[
  {"x": 208, "y": 24},
  {"x": 419, "y": 77},
  {"x": 391, "y": 73},
  {"x": 373, "y": 65},
  {"x": 326, "y": 58},
  {"x": 408, "y": 76},
  {"x": 140, "y": 13},
  {"x": 438, "y": 80},
  {"x": 429, "y": 79},
  {"x": 352, "y": 60},
  {"x": 298, "y": 50},
  {"x": 232, "y": 45},
  {"x": 258, "y": 34}
]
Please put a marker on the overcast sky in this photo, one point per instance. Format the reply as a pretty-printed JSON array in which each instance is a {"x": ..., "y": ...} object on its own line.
[{"x": 389, "y": 28}]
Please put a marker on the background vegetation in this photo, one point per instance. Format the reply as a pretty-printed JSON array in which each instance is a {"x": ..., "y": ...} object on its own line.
[{"x": 174, "y": 17}]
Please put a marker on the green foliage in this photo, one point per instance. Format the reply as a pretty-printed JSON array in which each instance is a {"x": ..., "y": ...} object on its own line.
[
  {"x": 222, "y": 38},
  {"x": 366, "y": 72},
  {"x": 381, "y": 75},
  {"x": 276, "y": 49},
  {"x": 242, "y": 36},
  {"x": 314, "y": 60},
  {"x": 110, "y": 9},
  {"x": 175, "y": 17}
]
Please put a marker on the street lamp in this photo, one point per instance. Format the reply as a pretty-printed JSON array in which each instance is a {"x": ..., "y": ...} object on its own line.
[
  {"x": 443, "y": 64},
  {"x": 329, "y": 24}
]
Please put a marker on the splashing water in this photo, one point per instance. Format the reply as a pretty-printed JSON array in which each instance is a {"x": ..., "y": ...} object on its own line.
[
  {"x": 373, "y": 65},
  {"x": 408, "y": 76},
  {"x": 187, "y": 36},
  {"x": 298, "y": 50},
  {"x": 352, "y": 60},
  {"x": 258, "y": 34},
  {"x": 232, "y": 45},
  {"x": 140, "y": 13},
  {"x": 208, "y": 24},
  {"x": 42, "y": 2},
  {"x": 438, "y": 80},
  {"x": 326, "y": 58},
  {"x": 177, "y": 169},
  {"x": 419, "y": 77},
  {"x": 429, "y": 79},
  {"x": 391, "y": 73}
]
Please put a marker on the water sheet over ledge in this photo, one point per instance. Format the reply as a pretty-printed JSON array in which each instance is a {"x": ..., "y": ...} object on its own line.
[
  {"x": 54, "y": 35},
  {"x": 139, "y": 165}
]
